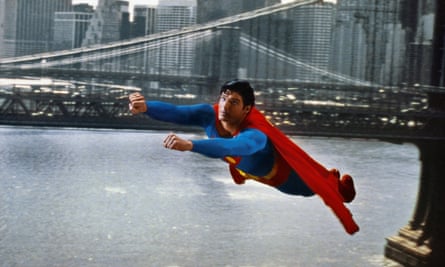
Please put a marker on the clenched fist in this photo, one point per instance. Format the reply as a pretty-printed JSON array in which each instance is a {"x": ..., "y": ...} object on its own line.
[
  {"x": 172, "y": 141},
  {"x": 137, "y": 103}
]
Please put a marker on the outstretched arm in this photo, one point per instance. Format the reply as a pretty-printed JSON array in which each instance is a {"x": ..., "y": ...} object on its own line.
[
  {"x": 198, "y": 114},
  {"x": 246, "y": 143}
]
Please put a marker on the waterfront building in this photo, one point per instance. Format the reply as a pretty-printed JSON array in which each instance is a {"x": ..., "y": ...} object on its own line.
[
  {"x": 176, "y": 56},
  {"x": 419, "y": 34},
  {"x": 109, "y": 23},
  {"x": 365, "y": 34},
  {"x": 70, "y": 27},
  {"x": 6, "y": 33},
  {"x": 272, "y": 31},
  {"x": 27, "y": 25},
  {"x": 143, "y": 20},
  {"x": 209, "y": 10},
  {"x": 175, "y": 14},
  {"x": 312, "y": 32}
]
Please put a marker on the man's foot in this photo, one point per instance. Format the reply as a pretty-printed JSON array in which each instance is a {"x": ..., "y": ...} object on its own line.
[
  {"x": 345, "y": 185},
  {"x": 335, "y": 172},
  {"x": 346, "y": 188}
]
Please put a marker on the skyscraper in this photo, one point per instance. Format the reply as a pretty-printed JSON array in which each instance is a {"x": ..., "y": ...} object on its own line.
[
  {"x": 70, "y": 27},
  {"x": 6, "y": 50},
  {"x": 364, "y": 36},
  {"x": 109, "y": 23},
  {"x": 143, "y": 20},
  {"x": 175, "y": 14},
  {"x": 273, "y": 32},
  {"x": 348, "y": 54},
  {"x": 27, "y": 25},
  {"x": 209, "y": 10},
  {"x": 176, "y": 56},
  {"x": 312, "y": 39},
  {"x": 417, "y": 25}
]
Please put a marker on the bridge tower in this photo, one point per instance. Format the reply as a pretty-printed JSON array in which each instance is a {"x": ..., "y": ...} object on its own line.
[{"x": 422, "y": 241}]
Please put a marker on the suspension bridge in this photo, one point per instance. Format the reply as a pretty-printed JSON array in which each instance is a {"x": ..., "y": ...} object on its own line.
[
  {"x": 188, "y": 65},
  {"x": 88, "y": 87}
]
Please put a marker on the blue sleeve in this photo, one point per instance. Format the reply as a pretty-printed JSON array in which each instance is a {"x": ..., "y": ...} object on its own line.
[
  {"x": 198, "y": 115},
  {"x": 246, "y": 143}
]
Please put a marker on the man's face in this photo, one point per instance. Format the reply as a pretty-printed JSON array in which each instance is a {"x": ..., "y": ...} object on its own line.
[{"x": 231, "y": 108}]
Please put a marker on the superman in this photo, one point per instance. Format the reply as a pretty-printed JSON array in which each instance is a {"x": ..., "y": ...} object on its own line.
[{"x": 254, "y": 149}]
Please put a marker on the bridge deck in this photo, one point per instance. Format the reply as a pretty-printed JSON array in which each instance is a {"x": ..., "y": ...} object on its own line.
[{"x": 342, "y": 111}]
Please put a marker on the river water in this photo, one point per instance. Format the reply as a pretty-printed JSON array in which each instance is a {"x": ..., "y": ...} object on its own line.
[{"x": 71, "y": 197}]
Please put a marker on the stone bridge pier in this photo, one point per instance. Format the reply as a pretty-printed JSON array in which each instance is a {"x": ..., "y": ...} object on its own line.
[{"x": 422, "y": 241}]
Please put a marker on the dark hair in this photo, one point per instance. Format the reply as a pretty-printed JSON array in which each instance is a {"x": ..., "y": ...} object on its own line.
[{"x": 241, "y": 87}]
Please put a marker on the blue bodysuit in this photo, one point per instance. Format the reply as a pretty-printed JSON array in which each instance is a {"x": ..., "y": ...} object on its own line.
[{"x": 255, "y": 150}]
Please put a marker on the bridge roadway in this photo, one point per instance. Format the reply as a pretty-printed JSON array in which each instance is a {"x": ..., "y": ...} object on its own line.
[{"x": 394, "y": 114}]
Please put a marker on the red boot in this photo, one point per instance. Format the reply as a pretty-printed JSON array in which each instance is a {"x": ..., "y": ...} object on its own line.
[
  {"x": 346, "y": 188},
  {"x": 345, "y": 185}
]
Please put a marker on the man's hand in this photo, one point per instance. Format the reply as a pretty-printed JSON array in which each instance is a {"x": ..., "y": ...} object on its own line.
[
  {"x": 137, "y": 103},
  {"x": 172, "y": 141}
]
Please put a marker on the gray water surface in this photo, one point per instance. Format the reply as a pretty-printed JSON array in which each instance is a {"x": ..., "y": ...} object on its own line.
[{"x": 72, "y": 197}]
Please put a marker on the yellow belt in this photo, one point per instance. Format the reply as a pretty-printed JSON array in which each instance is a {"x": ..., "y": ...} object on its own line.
[{"x": 268, "y": 176}]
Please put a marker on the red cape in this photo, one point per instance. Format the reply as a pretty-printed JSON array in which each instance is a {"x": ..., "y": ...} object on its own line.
[{"x": 317, "y": 178}]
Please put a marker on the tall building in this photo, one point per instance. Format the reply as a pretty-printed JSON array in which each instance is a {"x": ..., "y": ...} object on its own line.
[
  {"x": 109, "y": 23},
  {"x": 312, "y": 39},
  {"x": 5, "y": 51},
  {"x": 417, "y": 24},
  {"x": 365, "y": 34},
  {"x": 176, "y": 56},
  {"x": 143, "y": 20},
  {"x": 27, "y": 25},
  {"x": 175, "y": 14},
  {"x": 209, "y": 10},
  {"x": 232, "y": 59},
  {"x": 349, "y": 33},
  {"x": 70, "y": 27}
]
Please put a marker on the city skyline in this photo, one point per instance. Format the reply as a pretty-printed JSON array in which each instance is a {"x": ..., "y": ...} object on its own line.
[
  {"x": 131, "y": 2},
  {"x": 154, "y": 2},
  {"x": 294, "y": 34}
]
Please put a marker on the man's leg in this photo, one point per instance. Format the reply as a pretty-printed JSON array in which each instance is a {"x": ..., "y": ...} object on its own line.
[{"x": 295, "y": 186}]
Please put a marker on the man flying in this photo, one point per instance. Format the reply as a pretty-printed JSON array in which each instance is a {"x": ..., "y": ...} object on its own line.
[{"x": 252, "y": 146}]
